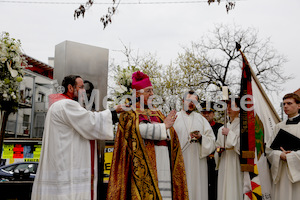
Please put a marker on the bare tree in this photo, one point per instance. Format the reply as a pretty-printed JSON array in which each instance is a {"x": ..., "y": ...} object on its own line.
[
  {"x": 229, "y": 4},
  {"x": 208, "y": 65},
  {"x": 221, "y": 62},
  {"x": 111, "y": 10},
  {"x": 166, "y": 80},
  {"x": 105, "y": 19}
]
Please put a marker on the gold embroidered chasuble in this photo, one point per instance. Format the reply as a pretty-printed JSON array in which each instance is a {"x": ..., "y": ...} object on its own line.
[{"x": 133, "y": 171}]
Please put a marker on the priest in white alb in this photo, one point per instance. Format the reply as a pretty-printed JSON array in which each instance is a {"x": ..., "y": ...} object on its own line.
[
  {"x": 197, "y": 141},
  {"x": 68, "y": 161},
  {"x": 285, "y": 162}
]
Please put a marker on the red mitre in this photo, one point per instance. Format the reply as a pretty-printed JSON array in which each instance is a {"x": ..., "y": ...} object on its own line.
[{"x": 140, "y": 80}]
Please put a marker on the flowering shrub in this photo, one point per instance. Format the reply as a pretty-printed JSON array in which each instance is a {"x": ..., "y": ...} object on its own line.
[
  {"x": 12, "y": 65},
  {"x": 123, "y": 81}
]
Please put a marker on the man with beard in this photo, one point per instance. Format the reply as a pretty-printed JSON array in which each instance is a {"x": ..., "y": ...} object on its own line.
[
  {"x": 67, "y": 166},
  {"x": 197, "y": 141}
]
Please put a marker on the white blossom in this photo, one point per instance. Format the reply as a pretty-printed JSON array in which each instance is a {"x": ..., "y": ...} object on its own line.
[
  {"x": 13, "y": 48},
  {"x": 3, "y": 59},
  {"x": 17, "y": 60},
  {"x": 11, "y": 72},
  {"x": 121, "y": 89}
]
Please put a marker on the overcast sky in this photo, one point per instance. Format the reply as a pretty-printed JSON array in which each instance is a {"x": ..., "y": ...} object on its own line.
[{"x": 161, "y": 29}]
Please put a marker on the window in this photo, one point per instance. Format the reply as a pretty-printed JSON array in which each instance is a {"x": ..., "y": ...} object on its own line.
[
  {"x": 26, "y": 123},
  {"x": 30, "y": 166},
  {"x": 28, "y": 95},
  {"x": 25, "y": 120},
  {"x": 10, "y": 168},
  {"x": 27, "y": 92},
  {"x": 41, "y": 97}
]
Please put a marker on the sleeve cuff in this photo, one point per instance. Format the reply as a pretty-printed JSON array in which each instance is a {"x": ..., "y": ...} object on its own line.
[
  {"x": 105, "y": 126},
  {"x": 114, "y": 116},
  {"x": 163, "y": 129}
]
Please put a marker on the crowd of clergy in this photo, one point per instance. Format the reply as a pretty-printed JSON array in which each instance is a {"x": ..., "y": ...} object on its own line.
[{"x": 184, "y": 155}]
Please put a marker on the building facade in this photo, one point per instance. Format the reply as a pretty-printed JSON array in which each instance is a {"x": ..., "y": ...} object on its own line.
[{"x": 24, "y": 129}]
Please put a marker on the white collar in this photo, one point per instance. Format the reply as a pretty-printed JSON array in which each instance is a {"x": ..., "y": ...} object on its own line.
[
  {"x": 293, "y": 117},
  {"x": 187, "y": 114}
]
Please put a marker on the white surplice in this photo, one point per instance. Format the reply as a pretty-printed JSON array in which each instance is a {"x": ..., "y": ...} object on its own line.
[
  {"x": 64, "y": 170},
  {"x": 195, "y": 153},
  {"x": 230, "y": 177},
  {"x": 158, "y": 132},
  {"x": 285, "y": 174}
]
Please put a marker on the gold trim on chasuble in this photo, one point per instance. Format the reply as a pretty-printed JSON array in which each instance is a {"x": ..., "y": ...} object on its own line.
[
  {"x": 133, "y": 171},
  {"x": 144, "y": 160}
]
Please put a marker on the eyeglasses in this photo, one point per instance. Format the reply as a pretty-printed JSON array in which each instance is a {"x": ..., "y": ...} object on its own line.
[{"x": 146, "y": 91}]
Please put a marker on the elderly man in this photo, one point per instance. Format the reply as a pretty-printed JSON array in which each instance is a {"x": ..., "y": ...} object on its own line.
[
  {"x": 285, "y": 161},
  {"x": 67, "y": 166},
  {"x": 147, "y": 160},
  {"x": 197, "y": 141}
]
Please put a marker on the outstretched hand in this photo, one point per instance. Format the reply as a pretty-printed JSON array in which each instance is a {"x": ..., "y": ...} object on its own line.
[
  {"x": 170, "y": 119},
  {"x": 121, "y": 108}
]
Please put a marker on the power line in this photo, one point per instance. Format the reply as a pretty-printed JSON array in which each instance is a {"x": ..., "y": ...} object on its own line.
[{"x": 102, "y": 3}]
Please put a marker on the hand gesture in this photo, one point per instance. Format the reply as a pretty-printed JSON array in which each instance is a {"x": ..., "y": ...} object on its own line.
[
  {"x": 225, "y": 131},
  {"x": 196, "y": 134},
  {"x": 170, "y": 119},
  {"x": 122, "y": 108},
  {"x": 283, "y": 154}
]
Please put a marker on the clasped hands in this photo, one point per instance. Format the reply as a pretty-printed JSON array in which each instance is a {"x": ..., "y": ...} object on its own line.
[
  {"x": 283, "y": 154},
  {"x": 219, "y": 149},
  {"x": 195, "y": 136}
]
